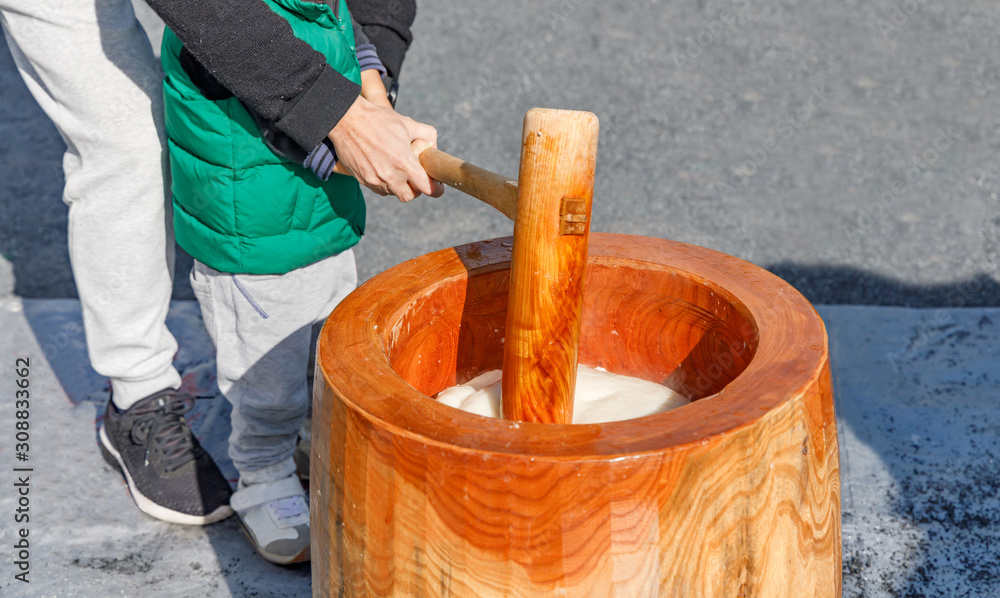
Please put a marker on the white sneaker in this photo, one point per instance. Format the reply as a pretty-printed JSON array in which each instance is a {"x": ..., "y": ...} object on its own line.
[{"x": 275, "y": 516}]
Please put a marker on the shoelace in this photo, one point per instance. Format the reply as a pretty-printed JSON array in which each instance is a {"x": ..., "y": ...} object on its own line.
[
  {"x": 164, "y": 419},
  {"x": 292, "y": 506}
]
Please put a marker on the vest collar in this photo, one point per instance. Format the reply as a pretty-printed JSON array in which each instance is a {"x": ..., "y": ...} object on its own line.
[{"x": 321, "y": 12}]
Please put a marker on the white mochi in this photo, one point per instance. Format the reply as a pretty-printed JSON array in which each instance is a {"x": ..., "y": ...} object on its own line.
[{"x": 600, "y": 396}]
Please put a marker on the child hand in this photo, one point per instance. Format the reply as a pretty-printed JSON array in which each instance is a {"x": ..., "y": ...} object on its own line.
[{"x": 372, "y": 88}]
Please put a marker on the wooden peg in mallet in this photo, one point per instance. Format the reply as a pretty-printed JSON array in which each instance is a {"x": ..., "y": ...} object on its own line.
[{"x": 550, "y": 207}]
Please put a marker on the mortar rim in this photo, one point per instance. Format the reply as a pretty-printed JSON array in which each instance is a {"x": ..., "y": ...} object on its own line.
[{"x": 407, "y": 413}]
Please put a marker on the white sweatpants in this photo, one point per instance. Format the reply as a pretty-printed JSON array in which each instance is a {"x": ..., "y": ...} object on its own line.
[{"x": 90, "y": 67}]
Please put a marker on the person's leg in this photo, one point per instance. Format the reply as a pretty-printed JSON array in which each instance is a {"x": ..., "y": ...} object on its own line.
[
  {"x": 91, "y": 69},
  {"x": 304, "y": 445},
  {"x": 262, "y": 329}
]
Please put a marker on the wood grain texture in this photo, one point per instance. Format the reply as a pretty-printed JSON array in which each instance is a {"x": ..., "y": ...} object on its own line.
[
  {"x": 488, "y": 187},
  {"x": 558, "y": 157},
  {"x": 735, "y": 494}
]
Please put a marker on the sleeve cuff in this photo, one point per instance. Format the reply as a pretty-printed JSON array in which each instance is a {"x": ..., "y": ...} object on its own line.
[
  {"x": 322, "y": 160},
  {"x": 319, "y": 108},
  {"x": 368, "y": 59}
]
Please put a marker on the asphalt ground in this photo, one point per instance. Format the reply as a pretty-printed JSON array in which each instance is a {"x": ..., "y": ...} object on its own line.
[{"x": 850, "y": 147}]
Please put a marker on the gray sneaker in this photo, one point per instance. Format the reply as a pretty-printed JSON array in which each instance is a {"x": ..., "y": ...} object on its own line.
[
  {"x": 168, "y": 474},
  {"x": 275, "y": 517}
]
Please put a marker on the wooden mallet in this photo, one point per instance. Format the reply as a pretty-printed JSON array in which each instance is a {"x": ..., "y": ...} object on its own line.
[{"x": 550, "y": 206}]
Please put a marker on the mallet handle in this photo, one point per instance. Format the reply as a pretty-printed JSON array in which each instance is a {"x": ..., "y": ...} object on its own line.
[
  {"x": 550, "y": 208},
  {"x": 548, "y": 260},
  {"x": 488, "y": 187}
]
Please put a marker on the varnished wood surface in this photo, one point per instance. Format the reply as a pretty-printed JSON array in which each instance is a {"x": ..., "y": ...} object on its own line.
[
  {"x": 488, "y": 187},
  {"x": 558, "y": 157},
  {"x": 736, "y": 494}
]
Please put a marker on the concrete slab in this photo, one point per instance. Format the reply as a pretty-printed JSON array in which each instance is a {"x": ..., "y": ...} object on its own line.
[
  {"x": 917, "y": 390},
  {"x": 918, "y": 403},
  {"x": 87, "y": 538}
]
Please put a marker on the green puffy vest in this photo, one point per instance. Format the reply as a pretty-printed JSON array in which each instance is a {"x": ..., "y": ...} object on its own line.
[{"x": 238, "y": 207}]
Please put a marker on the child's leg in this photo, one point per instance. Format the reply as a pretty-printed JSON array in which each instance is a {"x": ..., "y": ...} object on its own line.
[
  {"x": 302, "y": 450},
  {"x": 261, "y": 326}
]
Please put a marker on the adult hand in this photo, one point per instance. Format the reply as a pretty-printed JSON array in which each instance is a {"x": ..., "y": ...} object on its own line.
[
  {"x": 418, "y": 146},
  {"x": 373, "y": 145}
]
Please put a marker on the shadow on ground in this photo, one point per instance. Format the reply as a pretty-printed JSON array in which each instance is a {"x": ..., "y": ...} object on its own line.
[{"x": 845, "y": 285}]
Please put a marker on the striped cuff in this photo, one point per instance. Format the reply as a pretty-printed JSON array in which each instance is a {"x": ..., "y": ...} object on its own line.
[
  {"x": 322, "y": 159},
  {"x": 368, "y": 58}
]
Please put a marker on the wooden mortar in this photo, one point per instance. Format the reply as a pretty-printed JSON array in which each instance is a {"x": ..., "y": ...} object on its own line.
[{"x": 736, "y": 494}]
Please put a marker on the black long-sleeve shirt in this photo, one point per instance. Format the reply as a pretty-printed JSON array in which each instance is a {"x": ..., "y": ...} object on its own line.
[{"x": 252, "y": 52}]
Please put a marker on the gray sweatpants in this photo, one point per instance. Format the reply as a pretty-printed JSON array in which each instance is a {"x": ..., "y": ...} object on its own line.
[
  {"x": 262, "y": 327},
  {"x": 91, "y": 69}
]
